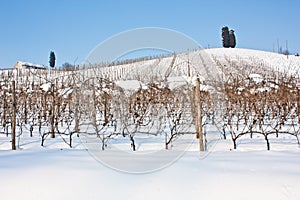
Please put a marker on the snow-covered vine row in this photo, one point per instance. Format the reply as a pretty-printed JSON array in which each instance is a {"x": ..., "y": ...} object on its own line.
[{"x": 152, "y": 97}]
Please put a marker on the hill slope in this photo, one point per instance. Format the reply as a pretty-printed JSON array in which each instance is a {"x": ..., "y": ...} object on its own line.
[{"x": 209, "y": 63}]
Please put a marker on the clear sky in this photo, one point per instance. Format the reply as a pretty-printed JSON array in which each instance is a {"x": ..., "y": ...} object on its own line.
[{"x": 30, "y": 29}]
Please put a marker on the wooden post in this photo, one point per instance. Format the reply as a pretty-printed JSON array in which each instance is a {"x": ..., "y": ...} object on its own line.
[
  {"x": 298, "y": 101},
  {"x": 189, "y": 69},
  {"x": 76, "y": 129},
  {"x": 52, "y": 131},
  {"x": 94, "y": 109},
  {"x": 199, "y": 115},
  {"x": 13, "y": 117},
  {"x": 298, "y": 106}
]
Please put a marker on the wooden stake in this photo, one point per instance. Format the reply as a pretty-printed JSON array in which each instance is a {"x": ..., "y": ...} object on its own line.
[
  {"x": 52, "y": 133},
  {"x": 199, "y": 115},
  {"x": 298, "y": 101},
  {"x": 13, "y": 117}
]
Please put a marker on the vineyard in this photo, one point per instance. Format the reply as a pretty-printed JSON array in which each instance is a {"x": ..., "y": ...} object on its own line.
[{"x": 162, "y": 99}]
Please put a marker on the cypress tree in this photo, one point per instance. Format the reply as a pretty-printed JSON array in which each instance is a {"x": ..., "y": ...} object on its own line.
[
  {"x": 52, "y": 59},
  {"x": 232, "y": 39},
  {"x": 225, "y": 37}
]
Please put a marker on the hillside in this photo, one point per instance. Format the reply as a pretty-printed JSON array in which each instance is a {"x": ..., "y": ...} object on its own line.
[
  {"x": 275, "y": 60},
  {"x": 209, "y": 63}
]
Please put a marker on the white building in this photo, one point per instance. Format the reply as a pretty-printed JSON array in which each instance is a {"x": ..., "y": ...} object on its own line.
[{"x": 27, "y": 65}]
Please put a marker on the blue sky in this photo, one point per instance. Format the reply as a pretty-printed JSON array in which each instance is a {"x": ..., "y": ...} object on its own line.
[{"x": 30, "y": 29}]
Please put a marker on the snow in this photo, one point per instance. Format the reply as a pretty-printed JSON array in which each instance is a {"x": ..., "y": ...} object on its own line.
[
  {"x": 46, "y": 87},
  {"x": 176, "y": 82},
  {"x": 264, "y": 89},
  {"x": 257, "y": 78},
  {"x": 131, "y": 85},
  {"x": 65, "y": 92},
  {"x": 30, "y": 65},
  {"x": 278, "y": 62},
  {"x": 57, "y": 172}
]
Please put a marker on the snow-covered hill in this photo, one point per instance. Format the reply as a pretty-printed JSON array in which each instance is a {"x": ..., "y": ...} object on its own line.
[
  {"x": 276, "y": 61},
  {"x": 210, "y": 64}
]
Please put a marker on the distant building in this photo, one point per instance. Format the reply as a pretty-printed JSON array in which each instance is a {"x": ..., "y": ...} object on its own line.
[{"x": 27, "y": 65}]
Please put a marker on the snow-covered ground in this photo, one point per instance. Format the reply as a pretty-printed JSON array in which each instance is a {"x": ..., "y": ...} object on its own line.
[
  {"x": 56, "y": 171},
  {"x": 276, "y": 61}
]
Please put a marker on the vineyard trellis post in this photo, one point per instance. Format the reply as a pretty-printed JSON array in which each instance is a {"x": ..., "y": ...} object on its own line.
[
  {"x": 76, "y": 129},
  {"x": 198, "y": 123},
  {"x": 13, "y": 117},
  {"x": 52, "y": 125},
  {"x": 298, "y": 100}
]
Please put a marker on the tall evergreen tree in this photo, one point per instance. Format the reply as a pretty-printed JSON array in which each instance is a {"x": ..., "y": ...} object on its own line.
[
  {"x": 52, "y": 59},
  {"x": 225, "y": 37},
  {"x": 232, "y": 39}
]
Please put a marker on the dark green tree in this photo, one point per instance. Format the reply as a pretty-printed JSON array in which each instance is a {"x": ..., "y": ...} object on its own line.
[
  {"x": 52, "y": 59},
  {"x": 225, "y": 37},
  {"x": 232, "y": 39}
]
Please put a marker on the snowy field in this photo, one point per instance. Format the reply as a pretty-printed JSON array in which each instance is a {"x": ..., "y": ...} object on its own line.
[{"x": 57, "y": 171}]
